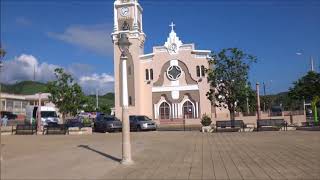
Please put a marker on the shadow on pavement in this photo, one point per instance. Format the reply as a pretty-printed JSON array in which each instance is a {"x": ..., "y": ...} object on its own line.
[{"x": 101, "y": 153}]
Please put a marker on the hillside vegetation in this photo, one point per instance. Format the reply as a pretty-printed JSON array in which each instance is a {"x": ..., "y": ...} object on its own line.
[{"x": 32, "y": 87}]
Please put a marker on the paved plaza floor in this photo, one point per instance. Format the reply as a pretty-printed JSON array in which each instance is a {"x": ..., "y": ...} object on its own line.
[{"x": 164, "y": 155}]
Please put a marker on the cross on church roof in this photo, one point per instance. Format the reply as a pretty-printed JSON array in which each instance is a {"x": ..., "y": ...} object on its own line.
[{"x": 172, "y": 25}]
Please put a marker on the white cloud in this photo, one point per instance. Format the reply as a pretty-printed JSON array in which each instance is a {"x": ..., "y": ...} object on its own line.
[
  {"x": 25, "y": 67},
  {"x": 95, "y": 38},
  {"x": 103, "y": 83}
]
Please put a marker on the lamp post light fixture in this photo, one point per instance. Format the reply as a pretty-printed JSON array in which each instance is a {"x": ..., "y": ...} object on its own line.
[{"x": 124, "y": 44}]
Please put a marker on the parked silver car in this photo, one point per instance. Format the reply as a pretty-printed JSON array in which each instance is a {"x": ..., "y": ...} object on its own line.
[
  {"x": 107, "y": 124},
  {"x": 138, "y": 123}
]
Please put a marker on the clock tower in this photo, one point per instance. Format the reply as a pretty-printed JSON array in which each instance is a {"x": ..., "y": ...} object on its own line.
[{"x": 128, "y": 20}]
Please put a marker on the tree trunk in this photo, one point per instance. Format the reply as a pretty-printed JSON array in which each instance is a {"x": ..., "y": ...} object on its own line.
[
  {"x": 232, "y": 116},
  {"x": 63, "y": 118}
]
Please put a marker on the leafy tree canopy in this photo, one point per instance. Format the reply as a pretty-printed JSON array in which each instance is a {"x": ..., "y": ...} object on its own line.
[
  {"x": 65, "y": 93},
  {"x": 228, "y": 77},
  {"x": 306, "y": 87}
]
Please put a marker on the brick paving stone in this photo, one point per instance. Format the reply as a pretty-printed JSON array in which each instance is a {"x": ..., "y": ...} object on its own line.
[{"x": 164, "y": 155}]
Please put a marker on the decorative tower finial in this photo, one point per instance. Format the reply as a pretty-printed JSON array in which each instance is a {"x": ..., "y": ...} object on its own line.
[{"x": 172, "y": 25}]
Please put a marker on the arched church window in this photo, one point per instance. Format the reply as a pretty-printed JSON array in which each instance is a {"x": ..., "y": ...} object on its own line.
[
  {"x": 202, "y": 71},
  {"x": 147, "y": 74},
  {"x": 164, "y": 110},
  {"x": 198, "y": 71},
  {"x": 125, "y": 26},
  {"x": 188, "y": 110},
  {"x": 151, "y": 74},
  {"x": 130, "y": 101}
]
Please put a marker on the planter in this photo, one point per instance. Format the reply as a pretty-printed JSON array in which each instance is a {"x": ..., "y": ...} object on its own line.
[{"x": 207, "y": 129}]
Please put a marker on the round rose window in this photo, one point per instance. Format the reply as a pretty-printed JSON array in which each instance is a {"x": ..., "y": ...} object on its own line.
[{"x": 174, "y": 72}]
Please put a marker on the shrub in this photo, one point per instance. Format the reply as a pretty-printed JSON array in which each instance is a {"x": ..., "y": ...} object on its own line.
[{"x": 206, "y": 120}]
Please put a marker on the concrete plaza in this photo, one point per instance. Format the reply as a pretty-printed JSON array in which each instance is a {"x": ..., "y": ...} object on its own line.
[{"x": 164, "y": 155}]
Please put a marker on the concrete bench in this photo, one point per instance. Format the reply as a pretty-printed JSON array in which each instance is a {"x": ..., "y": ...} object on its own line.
[
  {"x": 228, "y": 126},
  {"x": 25, "y": 129},
  {"x": 55, "y": 129},
  {"x": 271, "y": 124}
]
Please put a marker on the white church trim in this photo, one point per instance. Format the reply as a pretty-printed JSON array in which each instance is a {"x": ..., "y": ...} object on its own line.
[{"x": 175, "y": 88}]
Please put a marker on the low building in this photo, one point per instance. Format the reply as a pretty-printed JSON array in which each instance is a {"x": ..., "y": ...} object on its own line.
[{"x": 16, "y": 103}]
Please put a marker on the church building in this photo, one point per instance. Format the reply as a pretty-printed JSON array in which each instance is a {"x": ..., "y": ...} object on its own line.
[{"x": 167, "y": 85}]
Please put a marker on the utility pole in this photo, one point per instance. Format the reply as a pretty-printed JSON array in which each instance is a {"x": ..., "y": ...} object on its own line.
[
  {"x": 258, "y": 101},
  {"x": 312, "y": 63},
  {"x": 97, "y": 99},
  {"x": 265, "y": 98},
  {"x": 34, "y": 72}
]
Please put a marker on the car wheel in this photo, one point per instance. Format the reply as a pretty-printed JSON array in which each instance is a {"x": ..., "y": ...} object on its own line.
[{"x": 138, "y": 128}]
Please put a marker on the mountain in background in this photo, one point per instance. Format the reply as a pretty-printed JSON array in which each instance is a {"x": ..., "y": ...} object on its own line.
[
  {"x": 33, "y": 87},
  {"x": 24, "y": 87}
]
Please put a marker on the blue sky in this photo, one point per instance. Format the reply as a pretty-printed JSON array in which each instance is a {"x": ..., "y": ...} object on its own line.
[{"x": 75, "y": 34}]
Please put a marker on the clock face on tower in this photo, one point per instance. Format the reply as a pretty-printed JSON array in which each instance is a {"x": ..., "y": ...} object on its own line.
[{"x": 124, "y": 11}]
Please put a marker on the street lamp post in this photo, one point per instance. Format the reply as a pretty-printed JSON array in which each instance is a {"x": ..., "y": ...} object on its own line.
[{"x": 124, "y": 44}]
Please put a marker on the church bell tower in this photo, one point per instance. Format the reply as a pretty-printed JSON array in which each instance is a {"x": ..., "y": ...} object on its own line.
[{"x": 128, "y": 20}]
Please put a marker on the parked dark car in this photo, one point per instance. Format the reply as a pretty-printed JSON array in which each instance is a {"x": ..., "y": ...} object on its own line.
[
  {"x": 107, "y": 124},
  {"x": 9, "y": 115},
  {"x": 139, "y": 123}
]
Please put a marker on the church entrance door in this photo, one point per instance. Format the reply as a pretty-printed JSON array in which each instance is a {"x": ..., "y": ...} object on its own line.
[
  {"x": 164, "y": 111},
  {"x": 188, "y": 110}
]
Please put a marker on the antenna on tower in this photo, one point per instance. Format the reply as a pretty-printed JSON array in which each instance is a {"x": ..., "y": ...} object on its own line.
[
  {"x": 312, "y": 63},
  {"x": 34, "y": 72}
]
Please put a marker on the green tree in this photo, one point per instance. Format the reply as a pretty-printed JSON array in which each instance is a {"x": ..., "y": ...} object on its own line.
[
  {"x": 228, "y": 77},
  {"x": 66, "y": 94},
  {"x": 307, "y": 88},
  {"x": 105, "y": 108}
]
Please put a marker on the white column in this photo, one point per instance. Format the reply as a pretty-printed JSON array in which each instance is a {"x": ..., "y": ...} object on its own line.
[
  {"x": 124, "y": 82},
  {"x": 179, "y": 111},
  {"x": 197, "y": 110},
  {"x": 173, "y": 110},
  {"x": 115, "y": 26},
  {"x": 194, "y": 111},
  {"x": 135, "y": 24},
  {"x": 126, "y": 144},
  {"x": 155, "y": 111},
  {"x": 141, "y": 23}
]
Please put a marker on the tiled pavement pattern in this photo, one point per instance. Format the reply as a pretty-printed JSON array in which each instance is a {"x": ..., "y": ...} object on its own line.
[{"x": 165, "y": 155}]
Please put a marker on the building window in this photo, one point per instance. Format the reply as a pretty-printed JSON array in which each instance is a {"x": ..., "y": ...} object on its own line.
[
  {"x": 202, "y": 71},
  {"x": 188, "y": 110},
  {"x": 147, "y": 74},
  {"x": 151, "y": 74},
  {"x": 164, "y": 110},
  {"x": 198, "y": 71},
  {"x": 130, "y": 101}
]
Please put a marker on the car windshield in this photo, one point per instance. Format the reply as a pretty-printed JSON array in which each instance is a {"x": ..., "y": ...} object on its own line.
[
  {"x": 46, "y": 114},
  {"x": 110, "y": 119},
  {"x": 143, "y": 118}
]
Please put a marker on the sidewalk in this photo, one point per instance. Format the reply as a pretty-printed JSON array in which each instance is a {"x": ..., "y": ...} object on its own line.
[{"x": 164, "y": 155}]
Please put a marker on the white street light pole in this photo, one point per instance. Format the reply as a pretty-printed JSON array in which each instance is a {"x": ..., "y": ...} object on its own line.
[{"x": 124, "y": 44}]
